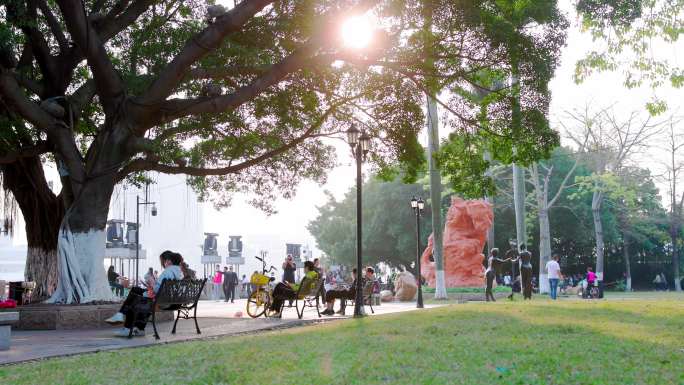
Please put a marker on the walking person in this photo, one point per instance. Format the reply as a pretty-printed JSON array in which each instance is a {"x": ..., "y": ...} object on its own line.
[
  {"x": 216, "y": 284},
  {"x": 230, "y": 281},
  {"x": 289, "y": 268},
  {"x": 554, "y": 272},
  {"x": 113, "y": 278},
  {"x": 246, "y": 286}
]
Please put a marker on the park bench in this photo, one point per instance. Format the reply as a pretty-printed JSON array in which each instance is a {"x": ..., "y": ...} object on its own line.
[
  {"x": 366, "y": 294},
  {"x": 176, "y": 295},
  {"x": 308, "y": 295}
]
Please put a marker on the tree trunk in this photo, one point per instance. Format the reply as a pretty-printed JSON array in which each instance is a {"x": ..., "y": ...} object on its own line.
[
  {"x": 542, "y": 197},
  {"x": 625, "y": 255},
  {"x": 491, "y": 239},
  {"x": 544, "y": 249},
  {"x": 675, "y": 261},
  {"x": 81, "y": 246},
  {"x": 82, "y": 238},
  {"x": 43, "y": 213},
  {"x": 596, "y": 201},
  {"x": 519, "y": 203},
  {"x": 436, "y": 198}
]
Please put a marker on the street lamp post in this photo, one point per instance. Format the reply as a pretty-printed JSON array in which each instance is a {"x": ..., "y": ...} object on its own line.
[
  {"x": 418, "y": 205},
  {"x": 360, "y": 146},
  {"x": 138, "y": 203}
]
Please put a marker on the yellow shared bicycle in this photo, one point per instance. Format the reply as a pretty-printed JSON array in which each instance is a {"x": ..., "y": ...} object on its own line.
[{"x": 260, "y": 299}]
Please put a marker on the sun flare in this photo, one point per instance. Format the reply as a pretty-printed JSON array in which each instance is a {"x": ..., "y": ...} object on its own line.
[{"x": 357, "y": 31}]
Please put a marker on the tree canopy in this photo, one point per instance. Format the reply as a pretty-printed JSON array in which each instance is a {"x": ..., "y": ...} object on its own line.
[
  {"x": 240, "y": 99},
  {"x": 631, "y": 37},
  {"x": 213, "y": 97}
]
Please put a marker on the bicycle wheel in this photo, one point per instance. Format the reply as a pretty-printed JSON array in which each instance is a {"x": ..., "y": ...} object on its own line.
[
  {"x": 594, "y": 292},
  {"x": 258, "y": 302}
]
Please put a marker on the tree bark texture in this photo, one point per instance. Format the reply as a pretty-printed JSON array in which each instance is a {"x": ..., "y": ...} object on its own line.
[
  {"x": 519, "y": 204},
  {"x": 542, "y": 197},
  {"x": 436, "y": 198},
  {"x": 43, "y": 213},
  {"x": 626, "y": 257},
  {"x": 675, "y": 262},
  {"x": 491, "y": 239},
  {"x": 82, "y": 239},
  {"x": 596, "y": 201}
]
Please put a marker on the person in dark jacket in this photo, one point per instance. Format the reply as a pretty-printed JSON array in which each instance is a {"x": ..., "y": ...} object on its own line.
[
  {"x": 289, "y": 268},
  {"x": 230, "y": 281},
  {"x": 113, "y": 277}
]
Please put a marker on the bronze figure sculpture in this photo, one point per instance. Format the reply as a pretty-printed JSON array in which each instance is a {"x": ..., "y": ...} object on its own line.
[
  {"x": 526, "y": 272},
  {"x": 494, "y": 264}
]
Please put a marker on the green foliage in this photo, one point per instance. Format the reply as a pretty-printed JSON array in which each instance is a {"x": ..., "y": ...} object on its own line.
[
  {"x": 632, "y": 35},
  {"x": 632, "y": 208},
  {"x": 511, "y": 120},
  {"x": 389, "y": 227},
  {"x": 421, "y": 46}
]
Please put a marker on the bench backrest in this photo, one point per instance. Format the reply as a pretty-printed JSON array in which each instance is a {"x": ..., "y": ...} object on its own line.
[
  {"x": 179, "y": 291},
  {"x": 309, "y": 287},
  {"x": 368, "y": 288}
]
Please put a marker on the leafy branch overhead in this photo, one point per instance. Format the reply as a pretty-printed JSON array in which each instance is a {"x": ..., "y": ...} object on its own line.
[
  {"x": 241, "y": 99},
  {"x": 632, "y": 37}
]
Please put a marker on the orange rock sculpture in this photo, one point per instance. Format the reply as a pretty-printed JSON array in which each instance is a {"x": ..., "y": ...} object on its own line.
[{"x": 465, "y": 234}]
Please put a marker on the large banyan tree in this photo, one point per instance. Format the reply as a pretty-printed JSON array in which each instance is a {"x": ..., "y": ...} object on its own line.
[{"x": 240, "y": 97}]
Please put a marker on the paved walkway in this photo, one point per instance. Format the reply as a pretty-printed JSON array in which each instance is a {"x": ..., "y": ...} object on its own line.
[{"x": 216, "y": 319}]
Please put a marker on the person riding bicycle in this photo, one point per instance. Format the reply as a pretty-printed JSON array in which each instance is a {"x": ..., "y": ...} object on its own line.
[
  {"x": 285, "y": 290},
  {"x": 591, "y": 280}
]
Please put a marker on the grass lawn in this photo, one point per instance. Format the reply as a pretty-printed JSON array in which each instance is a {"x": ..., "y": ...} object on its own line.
[{"x": 540, "y": 342}]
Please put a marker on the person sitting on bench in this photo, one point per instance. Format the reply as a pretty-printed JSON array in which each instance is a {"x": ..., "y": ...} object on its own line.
[
  {"x": 342, "y": 295},
  {"x": 285, "y": 290},
  {"x": 171, "y": 262}
]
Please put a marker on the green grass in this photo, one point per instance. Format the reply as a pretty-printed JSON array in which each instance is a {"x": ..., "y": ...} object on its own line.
[
  {"x": 540, "y": 342},
  {"x": 459, "y": 290}
]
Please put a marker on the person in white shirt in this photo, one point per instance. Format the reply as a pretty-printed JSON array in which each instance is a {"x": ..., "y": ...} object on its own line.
[{"x": 554, "y": 272}]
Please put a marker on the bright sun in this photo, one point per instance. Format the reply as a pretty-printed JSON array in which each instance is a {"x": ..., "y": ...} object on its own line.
[{"x": 357, "y": 31}]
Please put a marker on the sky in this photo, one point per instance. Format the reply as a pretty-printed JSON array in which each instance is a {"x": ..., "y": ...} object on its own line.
[{"x": 182, "y": 220}]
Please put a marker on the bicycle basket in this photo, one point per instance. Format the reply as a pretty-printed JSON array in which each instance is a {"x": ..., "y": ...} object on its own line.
[{"x": 259, "y": 279}]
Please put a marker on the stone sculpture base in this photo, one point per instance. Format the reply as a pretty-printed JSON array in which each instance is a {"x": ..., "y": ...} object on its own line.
[
  {"x": 405, "y": 286},
  {"x": 6, "y": 320},
  {"x": 70, "y": 317}
]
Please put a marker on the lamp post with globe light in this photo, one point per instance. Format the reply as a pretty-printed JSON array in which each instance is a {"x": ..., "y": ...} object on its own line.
[
  {"x": 417, "y": 205},
  {"x": 360, "y": 144}
]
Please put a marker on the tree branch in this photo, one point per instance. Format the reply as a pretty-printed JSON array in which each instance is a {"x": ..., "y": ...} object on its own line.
[
  {"x": 58, "y": 134},
  {"x": 11, "y": 93},
  {"x": 53, "y": 23},
  {"x": 82, "y": 96},
  {"x": 25, "y": 152},
  {"x": 147, "y": 165},
  {"x": 199, "y": 46},
  {"x": 114, "y": 24},
  {"x": 109, "y": 84},
  {"x": 177, "y": 108},
  {"x": 39, "y": 47}
]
